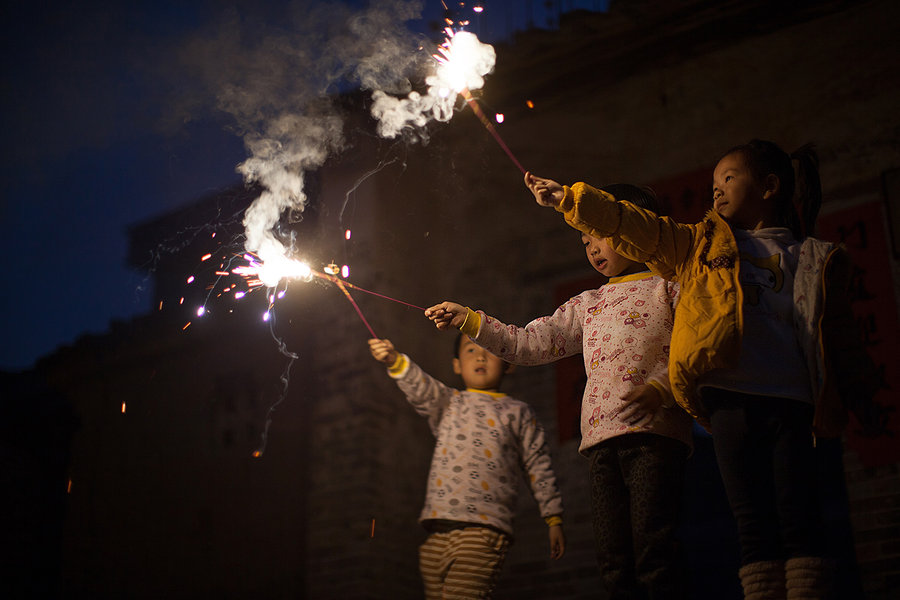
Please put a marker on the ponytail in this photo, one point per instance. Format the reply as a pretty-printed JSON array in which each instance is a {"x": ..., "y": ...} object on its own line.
[{"x": 808, "y": 198}]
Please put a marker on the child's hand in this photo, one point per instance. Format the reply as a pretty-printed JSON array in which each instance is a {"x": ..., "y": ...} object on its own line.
[
  {"x": 546, "y": 191},
  {"x": 557, "y": 542},
  {"x": 383, "y": 351},
  {"x": 641, "y": 405},
  {"x": 447, "y": 314}
]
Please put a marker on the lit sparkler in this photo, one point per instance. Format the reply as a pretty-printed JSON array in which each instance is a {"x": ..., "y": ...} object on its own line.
[{"x": 462, "y": 60}]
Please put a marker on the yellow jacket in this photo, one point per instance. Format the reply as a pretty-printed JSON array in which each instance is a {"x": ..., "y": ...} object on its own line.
[{"x": 703, "y": 258}]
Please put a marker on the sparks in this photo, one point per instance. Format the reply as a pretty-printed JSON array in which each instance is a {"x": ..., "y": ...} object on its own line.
[
  {"x": 499, "y": 117},
  {"x": 345, "y": 271},
  {"x": 462, "y": 61},
  {"x": 272, "y": 271}
]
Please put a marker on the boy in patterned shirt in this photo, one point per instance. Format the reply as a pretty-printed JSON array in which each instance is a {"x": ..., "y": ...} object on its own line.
[
  {"x": 636, "y": 438},
  {"x": 484, "y": 439}
]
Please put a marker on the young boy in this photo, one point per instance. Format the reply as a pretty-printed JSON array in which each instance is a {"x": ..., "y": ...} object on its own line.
[
  {"x": 483, "y": 436},
  {"x": 636, "y": 439}
]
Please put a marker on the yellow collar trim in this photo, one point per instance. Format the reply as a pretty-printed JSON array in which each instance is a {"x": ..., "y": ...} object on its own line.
[
  {"x": 632, "y": 277},
  {"x": 491, "y": 394}
]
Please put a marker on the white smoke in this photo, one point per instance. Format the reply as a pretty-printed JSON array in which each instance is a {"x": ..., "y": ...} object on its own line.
[
  {"x": 278, "y": 86},
  {"x": 464, "y": 63}
]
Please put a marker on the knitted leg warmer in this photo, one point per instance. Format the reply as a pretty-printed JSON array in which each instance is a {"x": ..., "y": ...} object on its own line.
[
  {"x": 763, "y": 580},
  {"x": 809, "y": 578}
]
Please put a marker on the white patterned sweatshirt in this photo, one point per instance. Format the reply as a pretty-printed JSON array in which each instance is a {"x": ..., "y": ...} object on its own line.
[
  {"x": 484, "y": 441},
  {"x": 623, "y": 330}
]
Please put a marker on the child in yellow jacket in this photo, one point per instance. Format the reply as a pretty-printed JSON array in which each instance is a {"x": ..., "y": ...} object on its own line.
[{"x": 763, "y": 311}]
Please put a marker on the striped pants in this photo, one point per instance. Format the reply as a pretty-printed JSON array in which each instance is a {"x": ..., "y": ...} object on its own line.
[{"x": 462, "y": 563}]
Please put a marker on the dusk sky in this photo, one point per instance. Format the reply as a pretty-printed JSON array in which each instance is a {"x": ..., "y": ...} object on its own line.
[{"x": 107, "y": 124}]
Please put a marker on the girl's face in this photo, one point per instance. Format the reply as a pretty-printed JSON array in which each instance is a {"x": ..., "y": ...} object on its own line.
[
  {"x": 739, "y": 197},
  {"x": 605, "y": 260}
]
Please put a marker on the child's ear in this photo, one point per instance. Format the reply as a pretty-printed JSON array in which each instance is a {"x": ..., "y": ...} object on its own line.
[
  {"x": 510, "y": 367},
  {"x": 457, "y": 366},
  {"x": 772, "y": 185}
]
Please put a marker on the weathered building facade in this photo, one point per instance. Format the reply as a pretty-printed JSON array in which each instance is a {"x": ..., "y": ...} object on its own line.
[{"x": 165, "y": 496}]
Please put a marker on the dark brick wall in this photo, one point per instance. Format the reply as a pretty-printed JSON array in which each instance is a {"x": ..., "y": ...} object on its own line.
[{"x": 166, "y": 500}]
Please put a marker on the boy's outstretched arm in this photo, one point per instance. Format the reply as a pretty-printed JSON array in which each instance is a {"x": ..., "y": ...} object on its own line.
[
  {"x": 383, "y": 351},
  {"x": 557, "y": 542},
  {"x": 546, "y": 191},
  {"x": 447, "y": 314}
]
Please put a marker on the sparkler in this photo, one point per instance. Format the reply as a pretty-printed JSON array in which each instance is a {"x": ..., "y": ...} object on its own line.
[
  {"x": 257, "y": 272},
  {"x": 461, "y": 59},
  {"x": 473, "y": 104}
]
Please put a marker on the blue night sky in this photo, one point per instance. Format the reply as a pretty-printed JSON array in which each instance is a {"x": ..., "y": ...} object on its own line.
[{"x": 102, "y": 132}]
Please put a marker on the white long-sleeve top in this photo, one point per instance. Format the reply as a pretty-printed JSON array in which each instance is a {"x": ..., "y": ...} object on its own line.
[
  {"x": 623, "y": 329},
  {"x": 484, "y": 440}
]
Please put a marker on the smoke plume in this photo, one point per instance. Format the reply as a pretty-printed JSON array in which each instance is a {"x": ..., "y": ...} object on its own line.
[{"x": 276, "y": 84}]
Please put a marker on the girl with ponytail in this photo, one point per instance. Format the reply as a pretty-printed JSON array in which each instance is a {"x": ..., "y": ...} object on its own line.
[{"x": 764, "y": 351}]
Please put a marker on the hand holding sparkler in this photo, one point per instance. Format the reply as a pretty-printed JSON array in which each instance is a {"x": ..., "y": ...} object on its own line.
[
  {"x": 383, "y": 351},
  {"x": 546, "y": 191},
  {"x": 447, "y": 314}
]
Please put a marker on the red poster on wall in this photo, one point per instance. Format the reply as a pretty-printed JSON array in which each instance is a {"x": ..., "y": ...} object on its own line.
[{"x": 861, "y": 229}]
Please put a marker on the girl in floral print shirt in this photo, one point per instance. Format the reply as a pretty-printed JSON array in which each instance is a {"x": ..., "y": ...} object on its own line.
[{"x": 635, "y": 437}]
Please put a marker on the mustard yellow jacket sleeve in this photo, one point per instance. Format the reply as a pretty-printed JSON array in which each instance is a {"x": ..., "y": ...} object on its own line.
[{"x": 662, "y": 244}]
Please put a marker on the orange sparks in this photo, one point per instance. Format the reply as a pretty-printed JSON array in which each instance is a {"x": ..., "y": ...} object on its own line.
[
  {"x": 181, "y": 301},
  {"x": 186, "y": 325},
  {"x": 205, "y": 257},
  {"x": 190, "y": 279},
  {"x": 223, "y": 273},
  {"x": 69, "y": 487},
  {"x": 529, "y": 104},
  {"x": 123, "y": 407},
  {"x": 372, "y": 530},
  {"x": 160, "y": 304},
  {"x": 257, "y": 454}
]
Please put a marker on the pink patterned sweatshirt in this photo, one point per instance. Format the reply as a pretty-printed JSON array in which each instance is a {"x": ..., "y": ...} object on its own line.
[{"x": 623, "y": 330}]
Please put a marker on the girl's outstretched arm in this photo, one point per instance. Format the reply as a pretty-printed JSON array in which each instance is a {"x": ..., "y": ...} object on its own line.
[
  {"x": 447, "y": 315},
  {"x": 546, "y": 191}
]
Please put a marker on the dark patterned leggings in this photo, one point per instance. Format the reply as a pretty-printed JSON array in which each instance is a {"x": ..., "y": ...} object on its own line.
[
  {"x": 764, "y": 447},
  {"x": 637, "y": 481}
]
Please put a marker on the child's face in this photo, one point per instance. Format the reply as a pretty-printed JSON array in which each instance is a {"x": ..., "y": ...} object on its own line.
[
  {"x": 605, "y": 260},
  {"x": 479, "y": 369},
  {"x": 739, "y": 197}
]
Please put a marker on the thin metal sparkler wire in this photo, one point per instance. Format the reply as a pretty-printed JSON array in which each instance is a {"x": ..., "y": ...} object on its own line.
[
  {"x": 470, "y": 100},
  {"x": 340, "y": 284},
  {"x": 337, "y": 281}
]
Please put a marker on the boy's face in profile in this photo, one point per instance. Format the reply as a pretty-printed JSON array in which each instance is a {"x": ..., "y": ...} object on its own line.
[{"x": 480, "y": 370}]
